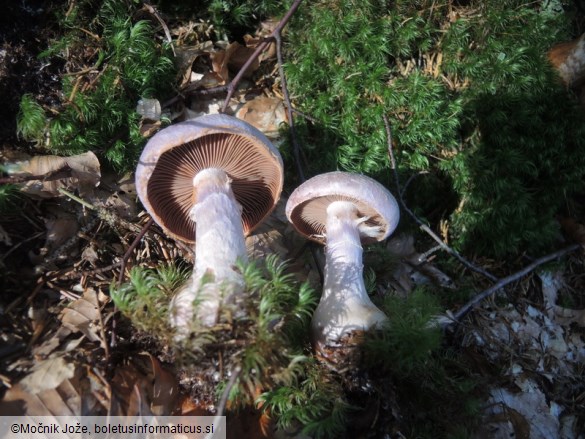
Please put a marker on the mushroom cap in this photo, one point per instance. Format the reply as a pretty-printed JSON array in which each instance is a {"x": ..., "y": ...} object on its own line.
[
  {"x": 307, "y": 206},
  {"x": 173, "y": 156}
]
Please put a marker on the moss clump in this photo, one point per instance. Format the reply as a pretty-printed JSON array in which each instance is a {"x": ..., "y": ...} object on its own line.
[
  {"x": 270, "y": 346},
  {"x": 112, "y": 62},
  {"x": 435, "y": 388},
  {"x": 471, "y": 99}
]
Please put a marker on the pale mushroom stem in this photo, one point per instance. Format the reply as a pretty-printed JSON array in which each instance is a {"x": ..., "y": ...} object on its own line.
[
  {"x": 220, "y": 245},
  {"x": 345, "y": 305}
]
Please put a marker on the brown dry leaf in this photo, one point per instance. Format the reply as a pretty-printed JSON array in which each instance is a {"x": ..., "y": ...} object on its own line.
[
  {"x": 567, "y": 316},
  {"x": 47, "y": 374},
  {"x": 90, "y": 255},
  {"x": 263, "y": 31},
  {"x": 239, "y": 57},
  {"x": 165, "y": 390},
  {"x": 233, "y": 57},
  {"x": 148, "y": 129},
  {"x": 186, "y": 56},
  {"x": 51, "y": 343},
  {"x": 85, "y": 174},
  {"x": 188, "y": 407},
  {"x": 61, "y": 226},
  {"x": 123, "y": 397},
  {"x": 250, "y": 423},
  {"x": 264, "y": 113},
  {"x": 144, "y": 387},
  {"x": 63, "y": 400},
  {"x": 82, "y": 316}
]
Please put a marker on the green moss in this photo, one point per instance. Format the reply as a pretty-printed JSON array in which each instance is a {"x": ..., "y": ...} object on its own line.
[
  {"x": 471, "y": 99},
  {"x": 435, "y": 387},
  {"x": 119, "y": 63}
]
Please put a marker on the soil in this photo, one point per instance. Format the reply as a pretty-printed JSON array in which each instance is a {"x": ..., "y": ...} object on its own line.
[{"x": 26, "y": 27}]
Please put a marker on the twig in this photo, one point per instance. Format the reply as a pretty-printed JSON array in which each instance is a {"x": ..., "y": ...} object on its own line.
[
  {"x": 410, "y": 180},
  {"x": 151, "y": 9},
  {"x": 110, "y": 217},
  {"x": 293, "y": 133},
  {"x": 131, "y": 249},
  {"x": 224, "y": 397},
  {"x": 259, "y": 49},
  {"x": 422, "y": 225},
  {"x": 74, "y": 274},
  {"x": 465, "y": 309}
]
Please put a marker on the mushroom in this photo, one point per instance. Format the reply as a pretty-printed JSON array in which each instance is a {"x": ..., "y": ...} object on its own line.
[
  {"x": 343, "y": 211},
  {"x": 212, "y": 179}
]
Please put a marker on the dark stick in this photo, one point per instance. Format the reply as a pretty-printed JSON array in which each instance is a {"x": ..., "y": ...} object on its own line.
[
  {"x": 259, "y": 49},
  {"x": 465, "y": 309},
  {"x": 293, "y": 133},
  {"x": 131, "y": 249},
  {"x": 422, "y": 225}
]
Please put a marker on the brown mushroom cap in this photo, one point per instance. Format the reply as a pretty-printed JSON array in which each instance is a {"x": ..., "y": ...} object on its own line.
[
  {"x": 172, "y": 157},
  {"x": 307, "y": 206}
]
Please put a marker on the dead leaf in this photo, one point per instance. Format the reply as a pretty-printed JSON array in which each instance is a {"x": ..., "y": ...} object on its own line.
[
  {"x": 90, "y": 255},
  {"x": 47, "y": 375},
  {"x": 266, "y": 114},
  {"x": 51, "y": 343},
  {"x": 551, "y": 283},
  {"x": 61, "y": 226},
  {"x": 85, "y": 174},
  {"x": 82, "y": 315},
  {"x": 239, "y": 57},
  {"x": 64, "y": 400},
  {"x": 264, "y": 30},
  {"x": 144, "y": 387},
  {"x": 528, "y": 412},
  {"x": 165, "y": 390},
  {"x": 220, "y": 60},
  {"x": 186, "y": 56}
]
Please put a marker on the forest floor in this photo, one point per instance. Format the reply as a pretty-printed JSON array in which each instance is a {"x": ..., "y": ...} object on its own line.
[{"x": 64, "y": 348}]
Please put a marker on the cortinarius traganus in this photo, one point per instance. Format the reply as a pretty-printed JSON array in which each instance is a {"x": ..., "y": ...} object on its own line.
[
  {"x": 211, "y": 180},
  {"x": 343, "y": 211}
]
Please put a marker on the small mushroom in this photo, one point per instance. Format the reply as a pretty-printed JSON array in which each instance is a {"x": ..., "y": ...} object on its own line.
[
  {"x": 343, "y": 211},
  {"x": 212, "y": 179}
]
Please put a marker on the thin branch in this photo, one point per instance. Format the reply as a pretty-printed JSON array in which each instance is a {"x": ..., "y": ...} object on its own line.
[
  {"x": 259, "y": 49},
  {"x": 465, "y": 309},
  {"x": 293, "y": 133},
  {"x": 224, "y": 397},
  {"x": 152, "y": 10},
  {"x": 410, "y": 180},
  {"x": 131, "y": 249},
  {"x": 422, "y": 225}
]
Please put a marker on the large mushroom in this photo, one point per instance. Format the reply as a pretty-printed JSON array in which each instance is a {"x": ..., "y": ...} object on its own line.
[
  {"x": 343, "y": 211},
  {"x": 212, "y": 180}
]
